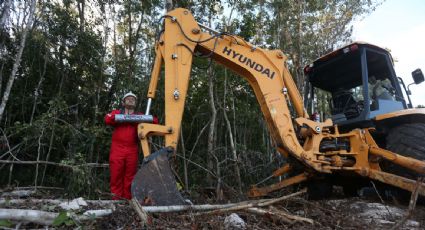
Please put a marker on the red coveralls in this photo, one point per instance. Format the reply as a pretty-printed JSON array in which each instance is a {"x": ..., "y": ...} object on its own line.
[{"x": 123, "y": 156}]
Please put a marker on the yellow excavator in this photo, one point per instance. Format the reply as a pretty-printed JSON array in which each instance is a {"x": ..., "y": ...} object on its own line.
[{"x": 370, "y": 132}]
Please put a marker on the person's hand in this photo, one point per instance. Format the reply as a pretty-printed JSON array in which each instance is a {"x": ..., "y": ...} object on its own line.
[{"x": 112, "y": 116}]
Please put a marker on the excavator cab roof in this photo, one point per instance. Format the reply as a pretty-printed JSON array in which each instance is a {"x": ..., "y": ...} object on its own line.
[{"x": 342, "y": 68}]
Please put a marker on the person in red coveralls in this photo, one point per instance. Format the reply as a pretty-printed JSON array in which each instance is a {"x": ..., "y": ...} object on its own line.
[{"x": 124, "y": 154}]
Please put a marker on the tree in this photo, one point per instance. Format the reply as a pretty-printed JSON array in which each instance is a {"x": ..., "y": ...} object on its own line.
[{"x": 18, "y": 56}]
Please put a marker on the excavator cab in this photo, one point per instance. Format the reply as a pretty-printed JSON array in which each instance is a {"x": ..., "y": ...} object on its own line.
[{"x": 358, "y": 82}]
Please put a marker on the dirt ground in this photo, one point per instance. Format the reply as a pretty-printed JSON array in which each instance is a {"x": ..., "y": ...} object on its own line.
[
  {"x": 352, "y": 213},
  {"x": 334, "y": 213}
]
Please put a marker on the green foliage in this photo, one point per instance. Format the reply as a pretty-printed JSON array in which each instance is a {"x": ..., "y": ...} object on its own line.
[
  {"x": 63, "y": 219},
  {"x": 6, "y": 223}
]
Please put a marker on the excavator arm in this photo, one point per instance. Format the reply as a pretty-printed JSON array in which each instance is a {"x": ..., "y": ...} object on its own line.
[
  {"x": 265, "y": 71},
  {"x": 274, "y": 88}
]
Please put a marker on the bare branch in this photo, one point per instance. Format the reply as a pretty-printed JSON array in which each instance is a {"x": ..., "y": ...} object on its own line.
[{"x": 56, "y": 164}]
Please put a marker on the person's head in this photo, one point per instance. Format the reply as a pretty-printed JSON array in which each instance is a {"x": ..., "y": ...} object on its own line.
[
  {"x": 372, "y": 79},
  {"x": 129, "y": 100}
]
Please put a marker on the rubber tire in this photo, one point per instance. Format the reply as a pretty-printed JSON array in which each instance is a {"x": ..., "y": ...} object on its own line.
[
  {"x": 407, "y": 140},
  {"x": 319, "y": 189}
]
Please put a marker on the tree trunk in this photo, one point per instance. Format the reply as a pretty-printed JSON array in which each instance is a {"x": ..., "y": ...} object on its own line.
[
  {"x": 115, "y": 60},
  {"x": 169, "y": 5},
  {"x": 298, "y": 60},
  {"x": 130, "y": 41},
  {"x": 102, "y": 65},
  {"x": 1, "y": 73},
  {"x": 185, "y": 174},
  {"x": 5, "y": 14},
  {"x": 52, "y": 135},
  {"x": 228, "y": 125},
  {"x": 218, "y": 190},
  {"x": 134, "y": 44},
  {"x": 80, "y": 5},
  {"x": 210, "y": 162},
  {"x": 3, "y": 19},
  {"x": 232, "y": 143},
  {"x": 9, "y": 181},
  {"x": 17, "y": 60},
  {"x": 63, "y": 70},
  {"x": 37, "y": 90},
  {"x": 39, "y": 149}
]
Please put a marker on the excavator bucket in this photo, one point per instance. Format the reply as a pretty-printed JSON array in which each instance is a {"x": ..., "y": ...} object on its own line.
[{"x": 154, "y": 183}]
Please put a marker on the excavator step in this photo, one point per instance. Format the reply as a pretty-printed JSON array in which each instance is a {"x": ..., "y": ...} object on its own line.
[{"x": 154, "y": 183}]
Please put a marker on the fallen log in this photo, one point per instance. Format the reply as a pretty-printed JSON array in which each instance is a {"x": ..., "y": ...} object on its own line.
[
  {"x": 250, "y": 204},
  {"x": 57, "y": 201},
  {"x": 38, "y": 188},
  {"x": 262, "y": 212},
  {"x": 286, "y": 217},
  {"x": 180, "y": 208},
  {"x": 276, "y": 200},
  {"x": 47, "y": 218},
  {"x": 290, "y": 216},
  {"x": 139, "y": 210},
  {"x": 90, "y": 214},
  {"x": 106, "y": 203},
  {"x": 33, "y": 216},
  {"x": 18, "y": 193},
  {"x": 281, "y": 215},
  {"x": 218, "y": 207}
]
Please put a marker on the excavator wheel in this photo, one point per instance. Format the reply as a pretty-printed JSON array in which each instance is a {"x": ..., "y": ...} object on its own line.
[{"x": 407, "y": 140}]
